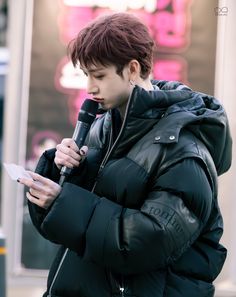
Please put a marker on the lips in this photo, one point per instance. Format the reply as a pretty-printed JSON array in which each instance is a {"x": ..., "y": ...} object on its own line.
[{"x": 99, "y": 100}]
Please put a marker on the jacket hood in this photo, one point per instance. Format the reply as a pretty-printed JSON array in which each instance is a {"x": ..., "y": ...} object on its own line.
[{"x": 173, "y": 106}]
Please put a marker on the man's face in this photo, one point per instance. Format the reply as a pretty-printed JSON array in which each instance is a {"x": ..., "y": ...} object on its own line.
[{"x": 107, "y": 87}]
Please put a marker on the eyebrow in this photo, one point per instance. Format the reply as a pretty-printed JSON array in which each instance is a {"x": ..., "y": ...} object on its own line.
[{"x": 92, "y": 70}]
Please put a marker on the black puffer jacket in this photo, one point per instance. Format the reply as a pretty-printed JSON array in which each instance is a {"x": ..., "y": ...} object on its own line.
[{"x": 140, "y": 216}]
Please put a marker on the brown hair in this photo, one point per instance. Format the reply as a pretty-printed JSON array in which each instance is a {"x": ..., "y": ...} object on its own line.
[{"x": 114, "y": 39}]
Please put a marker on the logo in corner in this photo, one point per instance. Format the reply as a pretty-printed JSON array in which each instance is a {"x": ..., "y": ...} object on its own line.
[{"x": 221, "y": 11}]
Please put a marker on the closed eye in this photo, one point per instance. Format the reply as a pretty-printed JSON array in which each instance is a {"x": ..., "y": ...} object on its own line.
[{"x": 100, "y": 76}]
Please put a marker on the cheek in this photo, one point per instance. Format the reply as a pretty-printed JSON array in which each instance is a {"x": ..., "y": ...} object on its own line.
[
  {"x": 116, "y": 90},
  {"x": 121, "y": 88}
]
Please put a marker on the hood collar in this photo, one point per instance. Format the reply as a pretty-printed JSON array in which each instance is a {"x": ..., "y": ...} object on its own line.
[{"x": 172, "y": 107}]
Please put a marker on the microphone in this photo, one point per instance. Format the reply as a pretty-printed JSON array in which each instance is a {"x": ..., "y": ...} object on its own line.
[{"x": 87, "y": 115}]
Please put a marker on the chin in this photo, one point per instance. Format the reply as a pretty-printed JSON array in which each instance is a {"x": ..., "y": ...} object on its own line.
[{"x": 103, "y": 106}]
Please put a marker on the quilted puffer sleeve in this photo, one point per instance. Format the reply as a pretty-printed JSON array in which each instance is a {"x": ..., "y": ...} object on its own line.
[
  {"x": 134, "y": 240},
  {"x": 47, "y": 168}
]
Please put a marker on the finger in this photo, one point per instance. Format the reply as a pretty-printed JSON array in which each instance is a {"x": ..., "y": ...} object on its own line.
[
  {"x": 69, "y": 142},
  {"x": 39, "y": 181},
  {"x": 42, "y": 195},
  {"x": 35, "y": 193},
  {"x": 65, "y": 160},
  {"x": 35, "y": 200},
  {"x": 26, "y": 181},
  {"x": 83, "y": 151},
  {"x": 32, "y": 198},
  {"x": 62, "y": 162},
  {"x": 59, "y": 161},
  {"x": 42, "y": 183},
  {"x": 67, "y": 151},
  {"x": 33, "y": 185}
]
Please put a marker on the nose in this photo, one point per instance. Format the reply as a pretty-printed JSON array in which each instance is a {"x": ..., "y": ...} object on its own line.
[{"x": 91, "y": 87}]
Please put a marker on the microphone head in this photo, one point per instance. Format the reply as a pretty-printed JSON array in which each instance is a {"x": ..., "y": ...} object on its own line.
[{"x": 88, "y": 111}]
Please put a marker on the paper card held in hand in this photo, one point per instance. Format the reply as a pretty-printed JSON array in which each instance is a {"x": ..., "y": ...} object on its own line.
[{"x": 16, "y": 171}]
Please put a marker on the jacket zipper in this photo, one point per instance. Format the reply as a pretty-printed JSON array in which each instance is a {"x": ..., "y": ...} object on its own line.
[
  {"x": 111, "y": 147},
  {"x": 57, "y": 272},
  {"x": 104, "y": 161},
  {"x": 122, "y": 287}
]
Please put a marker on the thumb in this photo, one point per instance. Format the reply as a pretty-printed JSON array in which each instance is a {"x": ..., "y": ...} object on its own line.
[{"x": 83, "y": 151}]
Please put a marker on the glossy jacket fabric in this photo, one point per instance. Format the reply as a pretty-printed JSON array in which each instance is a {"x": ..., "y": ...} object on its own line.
[{"x": 140, "y": 216}]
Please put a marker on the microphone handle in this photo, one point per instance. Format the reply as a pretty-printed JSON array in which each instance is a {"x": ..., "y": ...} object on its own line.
[{"x": 79, "y": 135}]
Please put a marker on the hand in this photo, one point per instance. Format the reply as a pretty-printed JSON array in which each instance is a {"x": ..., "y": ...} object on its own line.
[
  {"x": 68, "y": 154},
  {"x": 42, "y": 191}
]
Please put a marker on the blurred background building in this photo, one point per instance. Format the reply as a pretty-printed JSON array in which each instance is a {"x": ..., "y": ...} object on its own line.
[{"x": 41, "y": 93}]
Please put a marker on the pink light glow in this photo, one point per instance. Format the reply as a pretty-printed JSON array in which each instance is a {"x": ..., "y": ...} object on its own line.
[{"x": 171, "y": 69}]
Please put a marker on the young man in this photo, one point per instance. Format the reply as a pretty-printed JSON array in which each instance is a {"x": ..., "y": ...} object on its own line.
[{"x": 139, "y": 216}]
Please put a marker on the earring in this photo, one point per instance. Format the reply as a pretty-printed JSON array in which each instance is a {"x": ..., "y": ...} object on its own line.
[{"x": 132, "y": 82}]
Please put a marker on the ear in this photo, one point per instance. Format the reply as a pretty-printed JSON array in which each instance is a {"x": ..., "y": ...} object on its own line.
[{"x": 134, "y": 69}]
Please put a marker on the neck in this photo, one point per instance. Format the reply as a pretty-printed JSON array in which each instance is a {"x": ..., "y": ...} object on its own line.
[
  {"x": 146, "y": 85},
  {"x": 122, "y": 110}
]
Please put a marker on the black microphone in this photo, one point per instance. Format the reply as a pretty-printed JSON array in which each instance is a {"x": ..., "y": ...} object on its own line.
[{"x": 86, "y": 116}]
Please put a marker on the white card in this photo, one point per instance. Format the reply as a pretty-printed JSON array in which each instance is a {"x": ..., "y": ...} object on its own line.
[{"x": 16, "y": 171}]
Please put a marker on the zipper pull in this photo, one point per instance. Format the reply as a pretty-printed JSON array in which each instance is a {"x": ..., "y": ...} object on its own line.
[{"x": 122, "y": 291}]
